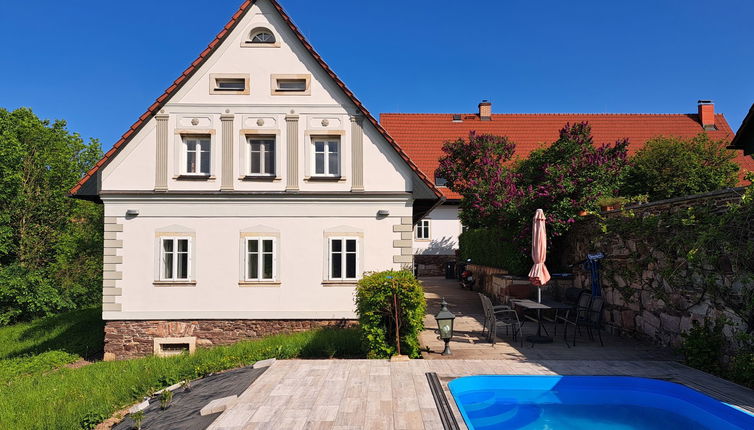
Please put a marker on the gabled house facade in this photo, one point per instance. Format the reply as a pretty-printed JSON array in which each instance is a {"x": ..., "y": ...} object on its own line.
[
  {"x": 423, "y": 135},
  {"x": 249, "y": 198}
]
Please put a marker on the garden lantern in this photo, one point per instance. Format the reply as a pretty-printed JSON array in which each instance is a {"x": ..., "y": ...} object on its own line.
[{"x": 445, "y": 325}]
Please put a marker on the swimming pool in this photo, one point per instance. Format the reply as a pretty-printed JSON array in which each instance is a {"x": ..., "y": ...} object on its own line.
[{"x": 589, "y": 402}]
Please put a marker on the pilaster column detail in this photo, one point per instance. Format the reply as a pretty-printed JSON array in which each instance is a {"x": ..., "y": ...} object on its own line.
[
  {"x": 357, "y": 153},
  {"x": 161, "y": 155},
  {"x": 292, "y": 151},
  {"x": 226, "y": 173}
]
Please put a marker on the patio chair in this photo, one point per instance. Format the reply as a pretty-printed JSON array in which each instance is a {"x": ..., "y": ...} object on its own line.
[
  {"x": 574, "y": 297},
  {"x": 489, "y": 310},
  {"x": 576, "y": 317},
  {"x": 502, "y": 316},
  {"x": 594, "y": 322}
]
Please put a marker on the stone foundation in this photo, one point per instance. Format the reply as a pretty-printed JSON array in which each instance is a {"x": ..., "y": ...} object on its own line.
[
  {"x": 432, "y": 265},
  {"x": 129, "y": 339}
]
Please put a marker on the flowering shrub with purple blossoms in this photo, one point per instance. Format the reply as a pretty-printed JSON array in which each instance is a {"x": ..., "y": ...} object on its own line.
[{"x": 562, "y": 179}]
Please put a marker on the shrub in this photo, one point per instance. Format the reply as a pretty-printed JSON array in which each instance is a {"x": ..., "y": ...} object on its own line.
[
  {"x": 375, "y": 305},
  {"x": 669, "y": 167},
  {"x": 494, "y": 247},
  {"x": 702, "y": 346}
]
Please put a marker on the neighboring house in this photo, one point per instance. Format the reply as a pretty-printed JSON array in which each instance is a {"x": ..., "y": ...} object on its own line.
[
  {"x": 249, "y": 198},
  {"x": 744, "y": 139},
  {"x": 422, "y": 137}
]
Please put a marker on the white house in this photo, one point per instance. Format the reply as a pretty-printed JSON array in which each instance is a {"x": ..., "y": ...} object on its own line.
[{"x": 249, "y": 198}]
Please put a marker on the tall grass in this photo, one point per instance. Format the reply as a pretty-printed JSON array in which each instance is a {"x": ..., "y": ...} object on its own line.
[{"x": 69, "y": 398}]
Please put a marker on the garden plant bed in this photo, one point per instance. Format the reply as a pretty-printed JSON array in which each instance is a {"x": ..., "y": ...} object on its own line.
[{"x": 183, "y": 412}]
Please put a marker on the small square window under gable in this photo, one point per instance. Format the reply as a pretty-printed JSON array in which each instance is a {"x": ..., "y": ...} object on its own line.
[
  {"x": 291, "y": 84},
  {"x": 229, "y": 83}
]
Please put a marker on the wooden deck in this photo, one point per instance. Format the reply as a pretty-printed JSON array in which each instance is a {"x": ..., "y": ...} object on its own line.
[{"x": 379, "y": 394}]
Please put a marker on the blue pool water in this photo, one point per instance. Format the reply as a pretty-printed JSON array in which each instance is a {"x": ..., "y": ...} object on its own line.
[{"x": 589, "y": 402}]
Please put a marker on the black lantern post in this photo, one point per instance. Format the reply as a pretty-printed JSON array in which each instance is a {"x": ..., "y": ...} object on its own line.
[{"x": 445, "y": 325}]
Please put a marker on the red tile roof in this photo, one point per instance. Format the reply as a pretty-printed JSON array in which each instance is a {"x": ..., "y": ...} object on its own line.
[
  {"x": 196, "y": 64},
  {"x": 422, "y": 135}
]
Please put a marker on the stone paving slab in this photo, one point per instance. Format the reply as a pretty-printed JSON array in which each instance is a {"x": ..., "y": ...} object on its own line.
[{"x": 379, "y": 394}]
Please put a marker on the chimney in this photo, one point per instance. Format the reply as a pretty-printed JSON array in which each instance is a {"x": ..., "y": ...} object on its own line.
[
  {"x": 485, "y": 110},
  {"x": 707, "y": 114}
]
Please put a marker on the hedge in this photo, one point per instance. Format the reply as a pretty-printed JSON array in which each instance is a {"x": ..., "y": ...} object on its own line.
[{"x": 494, "y": 247}]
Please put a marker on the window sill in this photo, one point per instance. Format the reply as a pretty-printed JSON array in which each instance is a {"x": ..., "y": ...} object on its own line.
[
  {"x": 325, "y": 178},
  {"x": 422, "y": 240},
  {"x": 249, "y": 44},
  {"x": 195, "y": 178},
  {"x": 174, "y": 283},
  {"x": 339, "y": 283},
  {"x": 261, "y": 178},
  {"x": 259, "y": 283}
]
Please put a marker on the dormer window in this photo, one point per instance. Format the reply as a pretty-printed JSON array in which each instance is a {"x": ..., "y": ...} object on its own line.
[
  {"x": 228, "y": 83},
  {"x": 262, "y": 35}
]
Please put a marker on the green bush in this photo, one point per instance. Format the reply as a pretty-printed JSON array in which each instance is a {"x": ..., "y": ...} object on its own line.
[
  {"x": 702, "y": 346},
  {"x": 669, "y": 167},
  {"x": 495, "y": 248},
  {"x": 374, "y": 303}
]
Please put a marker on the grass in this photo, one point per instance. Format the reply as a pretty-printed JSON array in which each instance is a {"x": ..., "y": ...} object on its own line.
[
  {"x": 66, "y": 398},
  {"x": 48, "y": 343}
]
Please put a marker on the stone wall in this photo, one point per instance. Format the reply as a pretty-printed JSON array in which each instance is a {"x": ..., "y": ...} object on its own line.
[
  {"x": 484, "y": 277},
  {"x": 129, "y": 339},
  {"x": 649, "y": 290}
]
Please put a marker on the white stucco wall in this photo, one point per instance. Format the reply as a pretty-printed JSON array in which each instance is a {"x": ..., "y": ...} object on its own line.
[
  {"x": 193, "y": 107},
  {"x": 302, "y": 226},
  {"x": 445, "y": 227}
]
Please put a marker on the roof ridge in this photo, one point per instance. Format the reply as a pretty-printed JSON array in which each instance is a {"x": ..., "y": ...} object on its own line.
[{"x": 548, "y": 114}]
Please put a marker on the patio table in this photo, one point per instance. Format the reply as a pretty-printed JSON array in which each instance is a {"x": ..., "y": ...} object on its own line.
[{"x": 527, "y": 304}]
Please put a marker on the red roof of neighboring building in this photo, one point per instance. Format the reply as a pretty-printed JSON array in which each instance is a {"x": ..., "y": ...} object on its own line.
[
  {"x": 204, "y": 55},
  {"x": 422, "y": 135}
]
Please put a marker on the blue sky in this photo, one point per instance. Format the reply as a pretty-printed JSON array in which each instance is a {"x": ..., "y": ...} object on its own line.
[{"x": 100, "y": 64}]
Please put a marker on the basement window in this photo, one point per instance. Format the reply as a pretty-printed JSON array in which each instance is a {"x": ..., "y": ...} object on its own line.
[
  {"x": 172, "y": 346},
  {"x": 229, "y": 84}
]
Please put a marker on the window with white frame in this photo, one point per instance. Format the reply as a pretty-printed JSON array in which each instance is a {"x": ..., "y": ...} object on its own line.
[
  {"x": 343, "y": 260},
  {"x": 422, "y": 229},
  {"x": 262, "y": 156},
  {"x": 326, "y": 156},
  {"x": 261, "y": 259},
  {"x": 261, "y": 35},
  {"x": 196, "y": 155},
  {"x": 175, "y": 259}
]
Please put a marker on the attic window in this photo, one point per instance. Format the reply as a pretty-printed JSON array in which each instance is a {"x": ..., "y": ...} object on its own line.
[
  {"x": 226, "y": 83},
  {"x": 457, "y": 118},
  {"x": 262, "y": 35},
  {"x": 231, "y": 84},
  {"x": 290, "y": 84}
]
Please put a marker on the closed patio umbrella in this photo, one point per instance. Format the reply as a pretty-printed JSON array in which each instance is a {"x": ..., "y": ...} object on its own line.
[{"x": 538, "y": 275}]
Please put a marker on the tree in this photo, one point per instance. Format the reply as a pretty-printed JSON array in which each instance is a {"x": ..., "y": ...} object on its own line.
[
  {"x": 563, "y": 178},
  {"x": 568, "y": 176},
  {"x": 50, "y": 245},
  {"x": 669, "y": 167},
  {"x": 477, "y": 170}
]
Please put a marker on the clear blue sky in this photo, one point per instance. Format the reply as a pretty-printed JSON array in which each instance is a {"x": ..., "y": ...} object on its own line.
[{"x": 99, "y": 64}]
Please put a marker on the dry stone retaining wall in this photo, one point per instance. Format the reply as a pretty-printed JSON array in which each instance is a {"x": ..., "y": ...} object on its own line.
[{"x": 638, "y": 295}]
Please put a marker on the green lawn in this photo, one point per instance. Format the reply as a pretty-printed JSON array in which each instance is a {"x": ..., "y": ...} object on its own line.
[{"x": 37, "y": 393}]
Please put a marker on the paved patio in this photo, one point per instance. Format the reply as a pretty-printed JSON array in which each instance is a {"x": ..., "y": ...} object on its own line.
[
  {"x": 379, "y": 394},
  {"x": 468, "y": 343}
]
